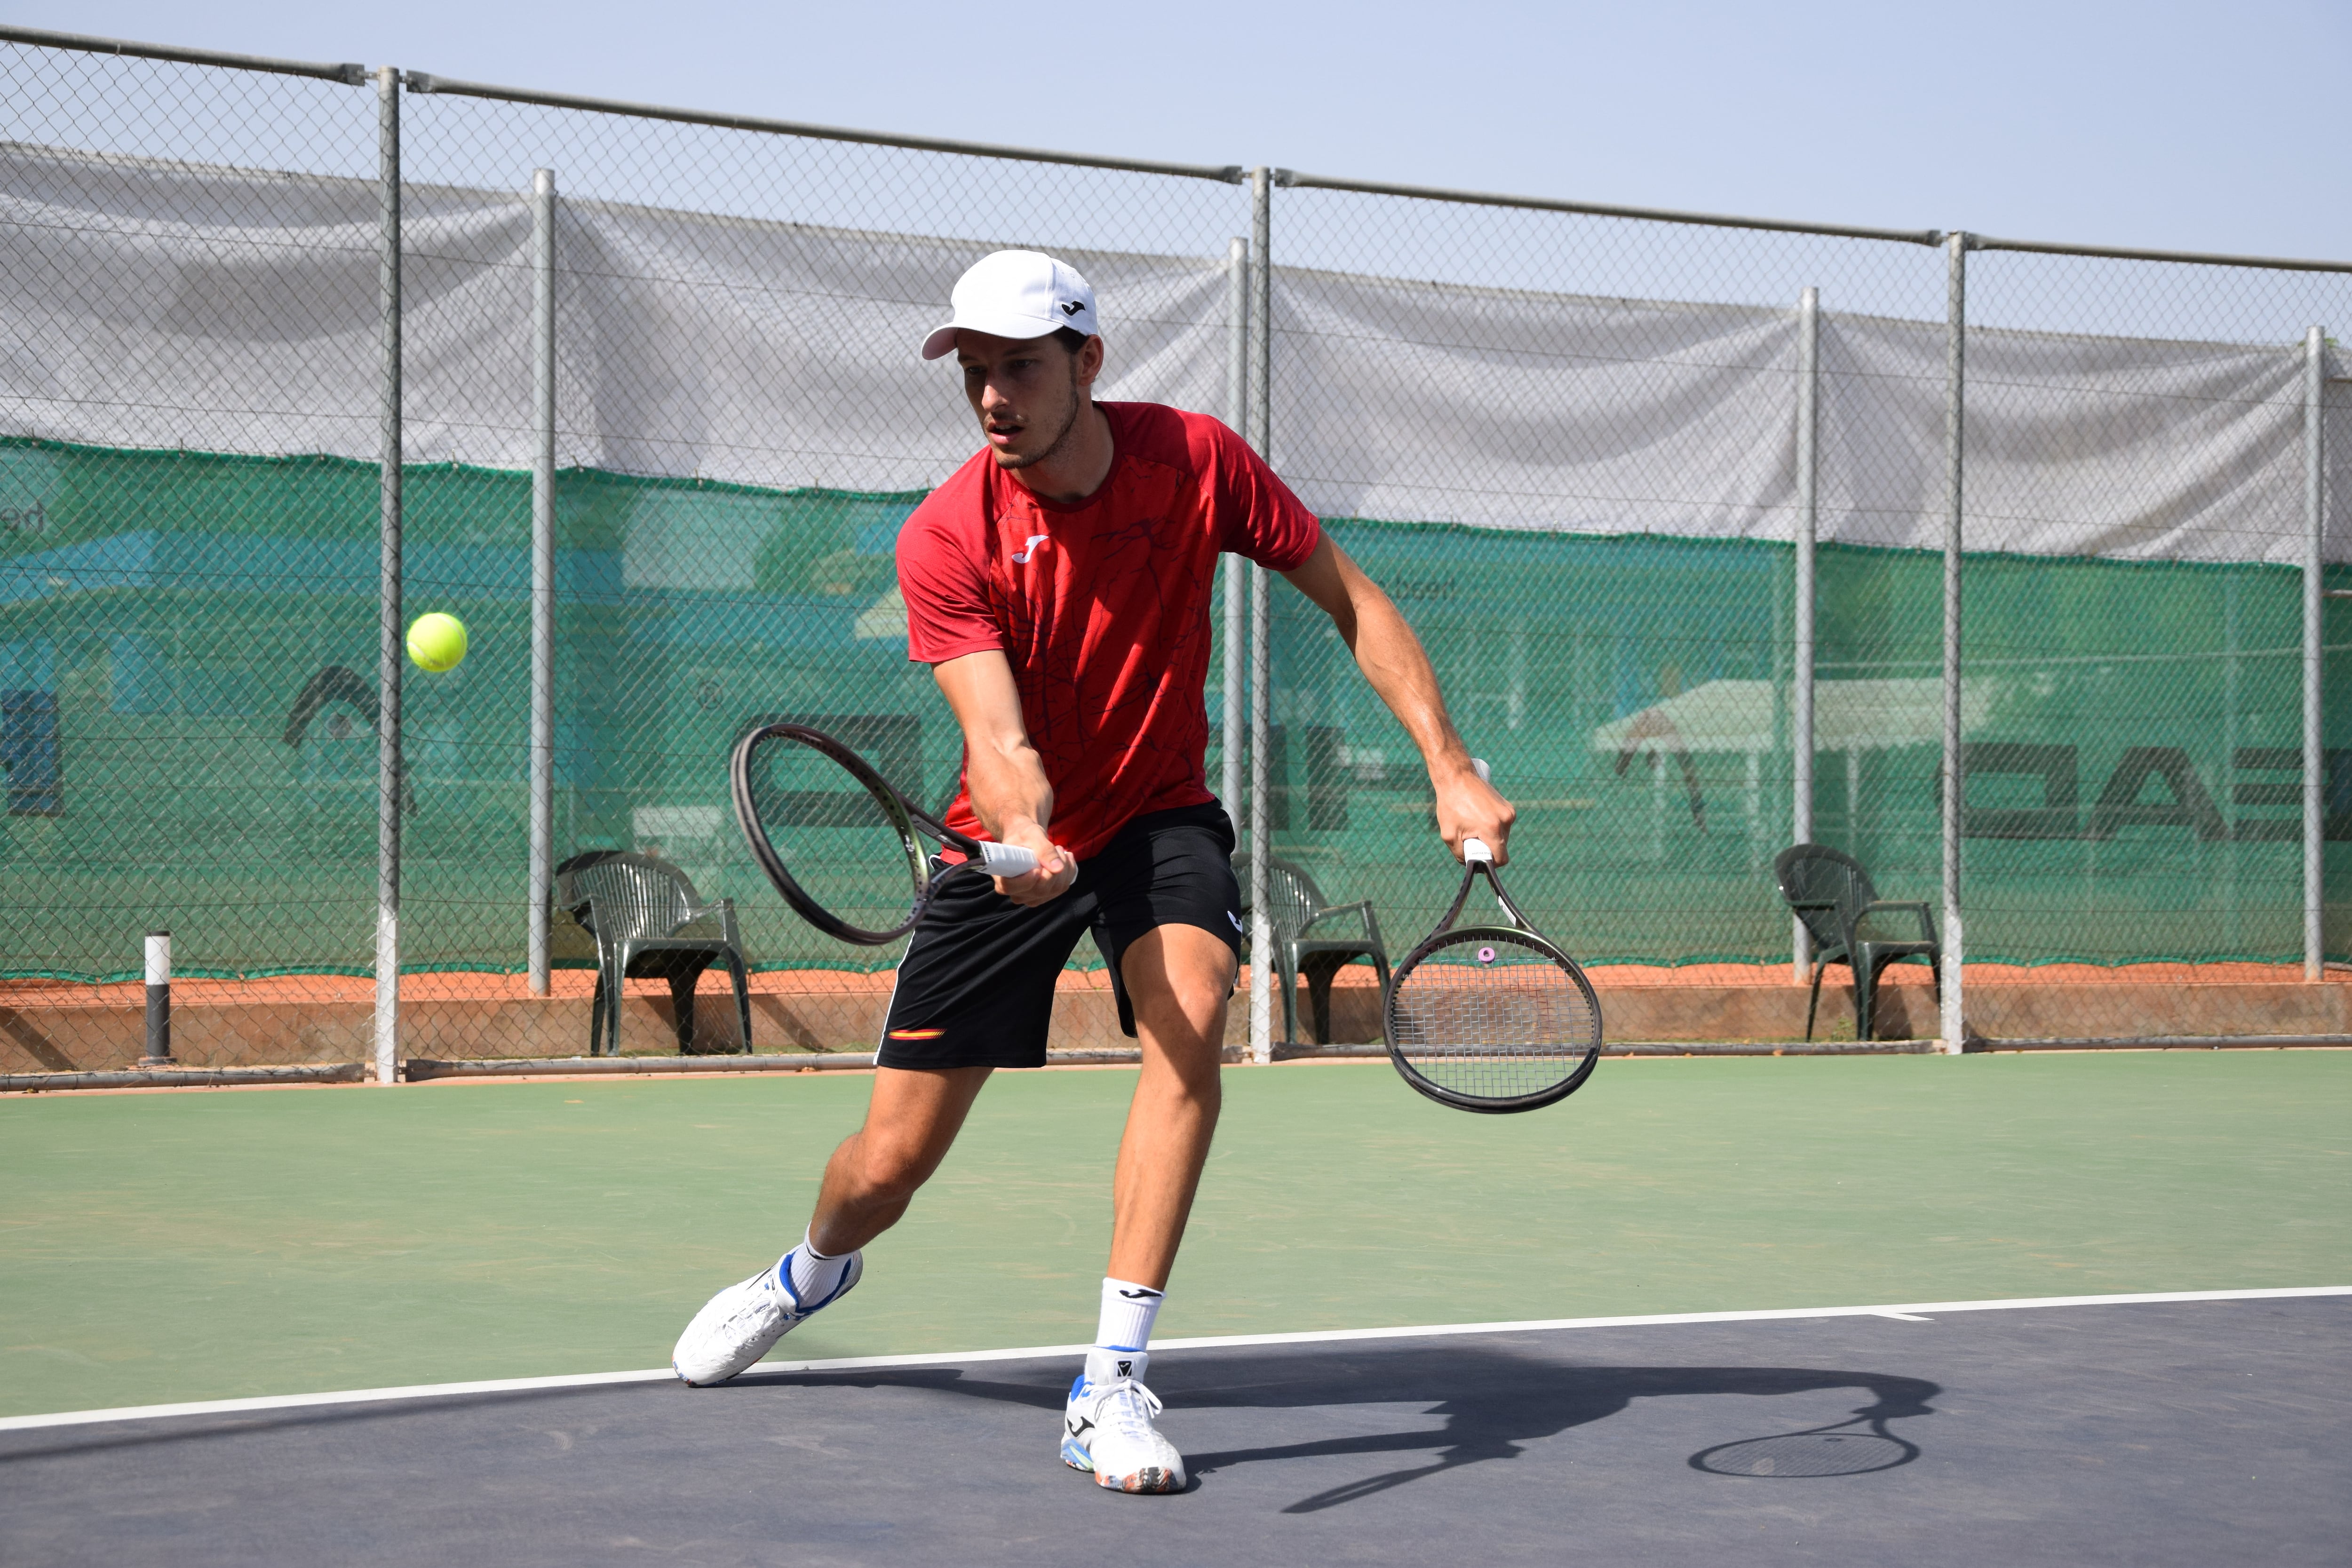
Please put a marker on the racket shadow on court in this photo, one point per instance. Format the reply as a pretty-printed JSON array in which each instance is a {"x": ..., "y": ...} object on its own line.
[{"x": 1492, "y": 1401}]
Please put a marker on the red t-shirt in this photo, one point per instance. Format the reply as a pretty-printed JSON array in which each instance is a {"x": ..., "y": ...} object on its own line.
[{"x": 1102, "y": 607}]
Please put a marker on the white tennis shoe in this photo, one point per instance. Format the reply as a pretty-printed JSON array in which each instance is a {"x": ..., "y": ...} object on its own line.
[
  {"x": 743, "y": 1323},
  {"x": 1107, "y": 1430}
]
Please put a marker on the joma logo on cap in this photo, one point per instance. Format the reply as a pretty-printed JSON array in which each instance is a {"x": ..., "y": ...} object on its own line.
[{"x": 1072, "y": 307}]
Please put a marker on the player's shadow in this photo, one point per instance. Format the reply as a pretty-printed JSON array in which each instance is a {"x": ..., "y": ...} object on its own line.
[{"x": 1492, "y": 1401}]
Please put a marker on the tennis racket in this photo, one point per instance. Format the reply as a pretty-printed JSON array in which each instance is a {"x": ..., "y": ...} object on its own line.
[
  {"x": 1491, "y": 1018},
  {"x": 838, "y": 841}
]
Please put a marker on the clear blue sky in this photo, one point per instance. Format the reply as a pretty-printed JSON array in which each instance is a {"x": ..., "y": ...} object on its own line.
[{"x": 2209, "y": 127}]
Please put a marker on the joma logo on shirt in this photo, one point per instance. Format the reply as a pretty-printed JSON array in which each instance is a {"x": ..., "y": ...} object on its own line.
[{"x": 1021, "y": 556}]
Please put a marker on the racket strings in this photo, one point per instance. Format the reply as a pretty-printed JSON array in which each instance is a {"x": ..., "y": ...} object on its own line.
[{"x": 1493, "y": 1018}]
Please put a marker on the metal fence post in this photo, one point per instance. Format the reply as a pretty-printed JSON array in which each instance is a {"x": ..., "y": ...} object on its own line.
[
  {"x": 1800, "y": 738},
  {"x": 1951, "y": 1025},
  {"x": 1261, "y": 1004},
  {"x": 542, "y": 566},
  {"x": 1237, "y": 308},
  {"x": 2314, "y": 753},
  {"x": 391, "y": 783}
]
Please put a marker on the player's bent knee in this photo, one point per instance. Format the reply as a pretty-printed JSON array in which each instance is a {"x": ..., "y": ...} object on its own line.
[
  {"x": 885, "y": 1183},
  {"x": 884, "y": 1171},
  {"x": 1189, "y": 1005},
  {"x": 1188, "y": 1066},
  {"x": 1183, "y": 1018}
]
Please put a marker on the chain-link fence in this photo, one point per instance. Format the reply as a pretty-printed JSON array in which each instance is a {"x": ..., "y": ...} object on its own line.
[
  {"x": 2147, "y": 443},
  {"x": 182, "y": 353},
  {"x": 1667, "y": 497},
  {"x": 1566, "y": 441},
  {"x": 740, "y": 425}
]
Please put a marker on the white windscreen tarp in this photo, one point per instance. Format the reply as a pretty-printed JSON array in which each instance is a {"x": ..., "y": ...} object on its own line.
[{"x": 160, "y": 305}]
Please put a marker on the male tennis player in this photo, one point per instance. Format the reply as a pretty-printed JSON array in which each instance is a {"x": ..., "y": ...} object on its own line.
[{"x": 1058, "y": 585}]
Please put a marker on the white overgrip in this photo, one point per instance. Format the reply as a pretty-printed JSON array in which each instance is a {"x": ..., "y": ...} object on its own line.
[{"x": 1007, "y": 859}]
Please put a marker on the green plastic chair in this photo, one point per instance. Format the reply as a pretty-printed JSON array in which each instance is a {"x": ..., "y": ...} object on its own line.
[
  {"x": 649, "y": 924},
  {"x": 1306, "y": 945},
  {"x": 1827, "y": 889}
]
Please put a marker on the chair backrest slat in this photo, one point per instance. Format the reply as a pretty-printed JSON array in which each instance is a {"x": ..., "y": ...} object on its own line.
[
  {"x": 641, "y": 895},
  {"x": 1292, "y": 898}
]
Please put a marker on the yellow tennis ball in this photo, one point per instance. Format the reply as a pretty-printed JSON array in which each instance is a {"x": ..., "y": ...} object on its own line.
[{"x": 436, "y": 642}]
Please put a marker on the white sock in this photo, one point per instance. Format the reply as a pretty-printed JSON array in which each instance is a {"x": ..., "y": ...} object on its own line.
[
  {"x": 814, "y": 1274},
  {"x": 1123, "y": 1333}
]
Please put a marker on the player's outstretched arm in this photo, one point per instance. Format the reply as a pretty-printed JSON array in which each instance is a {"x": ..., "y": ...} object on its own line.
[
  {"x": 1009, "y": 789},
  {"x": 1393, "y": 659}
]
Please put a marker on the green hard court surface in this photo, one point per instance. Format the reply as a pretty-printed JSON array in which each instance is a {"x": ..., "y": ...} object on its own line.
[{"x": 197, "y": 1245}]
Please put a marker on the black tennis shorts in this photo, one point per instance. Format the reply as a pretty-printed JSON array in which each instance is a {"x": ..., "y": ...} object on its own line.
[{"x": 976, "y": 987}]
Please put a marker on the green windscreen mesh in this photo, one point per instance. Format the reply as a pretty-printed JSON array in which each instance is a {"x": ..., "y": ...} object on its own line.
[
  {"x": 2132, "y": 752},
  {"x": 191, "y": 681},
  {"x": 187, "y": 675}
]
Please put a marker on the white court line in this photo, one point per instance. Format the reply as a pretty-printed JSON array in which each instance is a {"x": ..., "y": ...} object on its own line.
[{"x": 1911, "y": 1311}]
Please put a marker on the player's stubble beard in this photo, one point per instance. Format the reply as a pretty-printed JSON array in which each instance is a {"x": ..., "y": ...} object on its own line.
[{"x": 1079, "y": 403}]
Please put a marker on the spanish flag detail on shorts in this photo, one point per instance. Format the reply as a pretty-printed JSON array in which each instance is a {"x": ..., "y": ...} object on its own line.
[{"x": 916, "y": 1034}]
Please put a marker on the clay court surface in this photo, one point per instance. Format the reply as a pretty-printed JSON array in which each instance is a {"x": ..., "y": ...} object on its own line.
[
  {"x": 279, "y": 1020},
  {"x": 469, "y": 986},
  {"x": 170, "y": 1247}
]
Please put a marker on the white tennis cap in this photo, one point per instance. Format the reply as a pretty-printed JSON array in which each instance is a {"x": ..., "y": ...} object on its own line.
[{"x": 1016, "y": 294}]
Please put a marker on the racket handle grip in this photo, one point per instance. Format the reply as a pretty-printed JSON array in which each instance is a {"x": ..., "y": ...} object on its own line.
[
  {"x": 1475, "y": 850},
  {"x": 1007, "y": 859}
]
